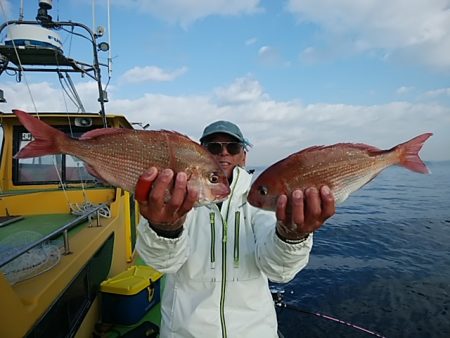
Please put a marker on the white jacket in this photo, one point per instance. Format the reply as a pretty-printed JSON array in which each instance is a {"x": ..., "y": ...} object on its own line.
[{"x": 217, "y": 271}]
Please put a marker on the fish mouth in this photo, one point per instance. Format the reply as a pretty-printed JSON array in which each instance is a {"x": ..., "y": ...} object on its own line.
[
  {"x": 251, "y": 199},
  {"x": 222, "y": 191},
  {"x": 219, "y": 193},
  {"x": 257, "y": 204},
  {"x": 254, "y": 200}
]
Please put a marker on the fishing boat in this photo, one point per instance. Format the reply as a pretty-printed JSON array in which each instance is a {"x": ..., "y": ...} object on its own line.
[
  {"x": 64, "y": 236},
  {"x": 67, "y": 262}
]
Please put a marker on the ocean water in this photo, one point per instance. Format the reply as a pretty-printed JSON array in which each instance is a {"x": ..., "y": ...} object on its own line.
[{"x": 381, "y": 263}]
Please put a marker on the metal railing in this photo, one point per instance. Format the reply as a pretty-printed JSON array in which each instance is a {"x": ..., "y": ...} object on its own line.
[{"x": 63, "y": 230}]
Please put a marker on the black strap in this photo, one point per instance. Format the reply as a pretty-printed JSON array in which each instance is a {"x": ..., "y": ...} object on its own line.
[{"x": 166, "y": 233}]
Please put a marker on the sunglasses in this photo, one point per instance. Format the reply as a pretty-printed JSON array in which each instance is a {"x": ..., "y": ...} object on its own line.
[{"x": 216, "y": 148}]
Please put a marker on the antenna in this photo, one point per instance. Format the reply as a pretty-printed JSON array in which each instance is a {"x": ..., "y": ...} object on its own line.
[
  {"x": 93, "y": 15},
  {"x": 42, "y": 15},
  {"x": 109, "y": 41},
  {"x": 21, "y": 11}
]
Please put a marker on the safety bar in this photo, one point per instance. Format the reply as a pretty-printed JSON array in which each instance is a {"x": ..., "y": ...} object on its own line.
[{"x": 63, "y": 230}]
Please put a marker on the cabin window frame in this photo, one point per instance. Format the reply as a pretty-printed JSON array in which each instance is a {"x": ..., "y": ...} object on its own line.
[{"x": 20, "y": 178}]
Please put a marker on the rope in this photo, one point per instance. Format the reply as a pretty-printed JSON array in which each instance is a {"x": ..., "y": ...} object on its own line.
[
  {"x": 33, "y": 262},
  {"x": 85, "y": 207}
]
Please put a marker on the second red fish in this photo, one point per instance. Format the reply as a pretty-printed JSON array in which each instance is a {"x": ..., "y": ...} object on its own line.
[{"x": 344, "y": 167}]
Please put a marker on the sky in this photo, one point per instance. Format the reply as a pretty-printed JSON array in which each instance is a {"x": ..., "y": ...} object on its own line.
[{"x": 290, "y": 73}]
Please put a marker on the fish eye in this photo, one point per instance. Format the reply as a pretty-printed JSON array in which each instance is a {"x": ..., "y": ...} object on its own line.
[
  {"x": 214, "y": 178},
  {"x": 263, "y": 190}
]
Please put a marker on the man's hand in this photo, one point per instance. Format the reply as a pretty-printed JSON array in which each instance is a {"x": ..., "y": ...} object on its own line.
[
  {"x": 163, "y": 203},
  {"x": 306, "y": 213}
]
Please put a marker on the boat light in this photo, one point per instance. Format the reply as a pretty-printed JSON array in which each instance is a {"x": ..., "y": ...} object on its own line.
[
  {"x": 103, "y": 46},
  {"x": 83, "y": 121}
]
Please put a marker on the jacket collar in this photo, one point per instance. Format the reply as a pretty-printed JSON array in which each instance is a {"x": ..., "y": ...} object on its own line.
[{"x": 241, "y": 181}]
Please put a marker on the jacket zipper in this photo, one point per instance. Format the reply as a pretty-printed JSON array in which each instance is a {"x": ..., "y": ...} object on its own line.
[
  {"x": 224, "y": 278},
  {"x": 237, "y": 223},
  {"x": 212, "y": 222},
  {"x": 224, "y": 261}
]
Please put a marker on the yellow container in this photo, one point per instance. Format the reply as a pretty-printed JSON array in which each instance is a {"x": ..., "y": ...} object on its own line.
[{"x": 129, "y": 295}]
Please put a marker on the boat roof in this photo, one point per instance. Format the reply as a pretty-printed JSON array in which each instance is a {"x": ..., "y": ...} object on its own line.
[{"x": 121, "y": 119}]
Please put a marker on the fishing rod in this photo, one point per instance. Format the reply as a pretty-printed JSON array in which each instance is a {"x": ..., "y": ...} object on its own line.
[{"x": 279, "y": 302}]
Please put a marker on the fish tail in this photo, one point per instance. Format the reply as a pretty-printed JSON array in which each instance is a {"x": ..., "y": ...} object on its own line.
[
  {"x": 46, "y": 141},
  {"x": 409, "y": 154}
]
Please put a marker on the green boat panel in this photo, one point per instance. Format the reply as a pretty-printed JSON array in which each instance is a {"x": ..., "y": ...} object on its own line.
[{"x": 43, "y": 224}]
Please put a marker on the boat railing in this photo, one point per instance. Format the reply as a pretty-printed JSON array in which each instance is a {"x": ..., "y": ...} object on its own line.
[
  {"x": 61, "y": 231},
  {"x": 36, "y": 57}
]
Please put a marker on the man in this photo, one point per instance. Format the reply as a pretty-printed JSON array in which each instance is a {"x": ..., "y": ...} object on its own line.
[{"x": 218, "y": 258}]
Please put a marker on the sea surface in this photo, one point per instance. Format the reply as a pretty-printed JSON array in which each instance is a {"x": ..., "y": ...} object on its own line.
[{"x": 381, "y": 263}]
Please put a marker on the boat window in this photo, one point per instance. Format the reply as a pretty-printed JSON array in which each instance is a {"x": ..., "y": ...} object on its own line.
[
  {"x": 50, "y": 169},
  {"x": 75, "y": 170},
  {"x": 39, "y": 169}
]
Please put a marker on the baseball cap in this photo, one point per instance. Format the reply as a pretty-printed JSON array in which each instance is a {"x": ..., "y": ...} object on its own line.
[{"x": 225, "y": 127}]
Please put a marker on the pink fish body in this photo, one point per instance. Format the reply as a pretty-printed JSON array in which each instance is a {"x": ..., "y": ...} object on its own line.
[
  {"x": 344, "y": 167},
  {"x": 119, "y": 156}
]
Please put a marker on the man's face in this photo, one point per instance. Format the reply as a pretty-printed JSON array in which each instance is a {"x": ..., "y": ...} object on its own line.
[{"x": 224, "y": 152}]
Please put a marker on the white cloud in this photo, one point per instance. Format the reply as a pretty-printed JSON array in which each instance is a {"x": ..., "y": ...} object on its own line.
[
  {"x": 270, "y": 56},
  {"x": 151, "y": 73},
  {"x": 279, "y": 128},
  {"x": 417, "y": 29},
  {"x": 244, "y": 89},
  {"x": 437, "y": 92},
  {"x": 404, "y": 90},
  {"x": 186, "y": 12},
  {"x": 266, "y": 50},
  {"x": 276, "y": 128},
  {"x": 46, "y": 97},
  {"x": 250, "y": 41},
  {"x": 5, "y": 10}
]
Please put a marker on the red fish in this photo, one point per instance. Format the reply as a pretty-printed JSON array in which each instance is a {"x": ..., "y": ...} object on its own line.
[
  {"x": 344, "y": 167},
  {"x": 119, "y": 156}
]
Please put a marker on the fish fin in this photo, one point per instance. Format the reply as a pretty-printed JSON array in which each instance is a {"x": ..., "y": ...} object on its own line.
[
  {"x": 177, "y": 134},
  {"x": 46, "y": 141},
  {"x": 370, "y": 149},
  {"x": 409, "y": 154},
  {"x": 143, "y": 187},
  {"x": 303, "y": 151},
  {"x": 142, "y": 190},
  {"x": 103, "y": 131}
]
